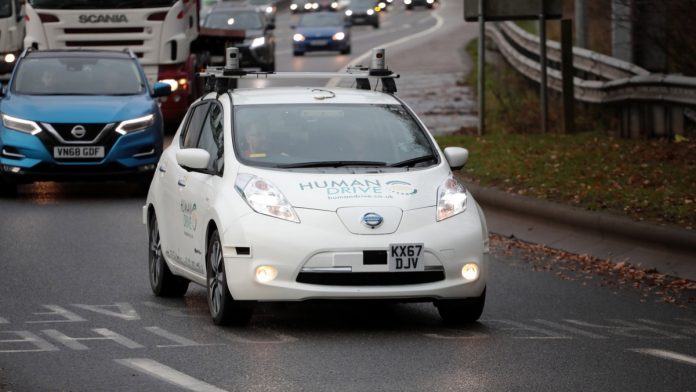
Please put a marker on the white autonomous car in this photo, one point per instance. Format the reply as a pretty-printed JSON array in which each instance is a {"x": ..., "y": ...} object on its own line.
[{"x": 297, "y": 193}]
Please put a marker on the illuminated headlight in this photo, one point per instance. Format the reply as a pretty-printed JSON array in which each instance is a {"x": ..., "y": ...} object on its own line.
[
  {"x": 308, "y": 6},
  {"x": 293, "y": 7},
  {"x": 10, "y": 58},
  {"x": 430, "y": 1},
  {"x": 315, "y": 6},
  {"x": 264, "y": 198},
  {"x": 338, "y": 36},
  {"x": 334, "y": 5},
  {"x": 349, "y": 12},
  {"x": 136, "y": 124},
  {"x": 20, "y": 125},
  {"x": 370, "y": 12},
  {"x": 269, "y": 10},
  {"x": 382, "y": 5},
  {"x": 257, "y": 42},
  {"x": 266, "y": 273},
  {"x": 451, "y": 198},
  {"x": 470, "y": 271},
  {"x": 172, "y": 83},
  {"x": 407, "y": 2},
  {"x": 298, "y": 37}
]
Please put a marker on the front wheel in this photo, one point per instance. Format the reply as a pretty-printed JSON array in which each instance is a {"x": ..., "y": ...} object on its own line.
[
  {"x": 461, "y": 311},
  {"x": 223, "y": 308},
  {"x": 162, "y": 281}
]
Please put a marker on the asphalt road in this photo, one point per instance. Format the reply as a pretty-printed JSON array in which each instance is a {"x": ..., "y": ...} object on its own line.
[{"x": 77, "y": 313}]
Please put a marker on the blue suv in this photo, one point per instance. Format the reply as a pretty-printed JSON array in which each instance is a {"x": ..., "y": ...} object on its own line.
[{"x": 79, "y": 115}]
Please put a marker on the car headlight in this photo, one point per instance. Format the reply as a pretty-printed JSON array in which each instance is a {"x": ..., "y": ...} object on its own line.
[
  {"x": 10, "y": 58},
  {"x": 315, "y": 6},
  {"x": 258, "y": 42},
  {"x": 269, "y": 10},
  {"x": 298, "y": 37},
  {"x": 382, "y": 5},
  {"x": 338, "y": 36},
  {"x": 20, "y": 125},
  {"x": 334, "y": 5},
  {"x": 451, "y": 198},
  {"x": 293, "y": 7},
  {"x": 407, "y": 2},
  {"x": 136, "y": 124},
  {"x": 370, "y": 12},
  {"x": 264, "y": 198},
  {"x": 308, "y": 6},
  {"x": 349, "y": 12}
]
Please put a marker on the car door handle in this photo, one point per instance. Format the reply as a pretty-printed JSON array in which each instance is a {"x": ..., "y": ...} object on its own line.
[
  {"x": 162, "y": 169},
  {"x": 182, "y": 183}
]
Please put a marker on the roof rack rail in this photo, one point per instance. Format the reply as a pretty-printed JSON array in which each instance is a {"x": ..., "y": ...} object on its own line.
[{"x": 224, "y": 78}]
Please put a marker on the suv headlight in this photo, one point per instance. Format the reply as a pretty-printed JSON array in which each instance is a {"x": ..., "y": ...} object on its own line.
[
  {"x": 20, "y": 125},
  {"x": 451, "y": 198},
  {"x": 258, "y": 42},
  {"x": 264, "y": 198},
  {"x": 339, "y": 36},
  {"x": 136, "y": 124}
]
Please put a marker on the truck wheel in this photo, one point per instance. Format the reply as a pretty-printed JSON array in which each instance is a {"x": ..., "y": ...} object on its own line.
[
  {"x": 223, "y": 308},
  {"x": 461, "y": 311}
]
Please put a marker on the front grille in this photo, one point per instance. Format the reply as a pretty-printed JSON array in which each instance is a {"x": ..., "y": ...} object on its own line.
[
  {"x": 65, "y": 131},
  {"x": 120, "y": 43},
  {"x": 108, "y": 30},
  {"x": 370, "y": 278},
  {"x": 108, "y": 138}
]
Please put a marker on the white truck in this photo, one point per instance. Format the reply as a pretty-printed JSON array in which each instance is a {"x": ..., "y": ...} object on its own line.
[
  {"x": 11, "y": 34},
  {"x": 162, "y": 33}
]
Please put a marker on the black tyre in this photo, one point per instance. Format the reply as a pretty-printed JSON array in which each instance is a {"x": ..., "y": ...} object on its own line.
[
  {"x": 162, "y": 281},
  {"x": 7, "y": 189},
  {"x": 376, "y": 25},
  {"x": 297, "y": 53},
  {"x": 346, "y": 50},
  {"x": 223, "y": 308},
  {"x": 409, "y": 7},
  {"x": 461, "y": 311}
]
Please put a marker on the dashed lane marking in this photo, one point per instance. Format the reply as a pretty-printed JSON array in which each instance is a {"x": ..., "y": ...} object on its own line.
[
  {"x": 165, "y": 373},
  {"x": 671, "y": 355}
]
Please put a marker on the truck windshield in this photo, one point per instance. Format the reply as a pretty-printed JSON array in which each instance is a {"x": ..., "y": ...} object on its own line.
[
  {"x": 330, "y": 135},
  {"x": 5, "y": 8},
  {"x": 77, "y": 76},
  {"x": 100, "y": 4}
]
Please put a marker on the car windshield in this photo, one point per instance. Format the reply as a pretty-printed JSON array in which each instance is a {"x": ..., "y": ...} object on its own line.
[
  {"x": 5, "y": 8},
  {"x": 100, "y": 4},
  {"x": 237, "y": 20},
  {"x": 361, "y": 4},
  {"x": 321, "y": 20},
  {"x": 311, "y": 135},
  {"x": 77, "y": 76}
]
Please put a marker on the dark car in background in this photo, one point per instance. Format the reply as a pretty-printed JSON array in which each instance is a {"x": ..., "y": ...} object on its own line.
[
  {"x": 299, "y": 6},
  {"x": 267, "y": 7},
  {"x": 243, "y": 28},
  {"x": 363, "y": 12},
  {"x": 321, "y": 31},
  {"x": 420, "y": 3}
]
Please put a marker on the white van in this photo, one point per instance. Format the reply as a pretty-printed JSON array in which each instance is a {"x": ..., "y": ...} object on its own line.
[{"x": 11, "y": 33}]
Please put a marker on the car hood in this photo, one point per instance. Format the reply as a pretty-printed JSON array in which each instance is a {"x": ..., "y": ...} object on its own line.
[
  {"x": 319, "y": 31},
  {"x": 333, "y": 190},
  {"x": 66, "y": 108}
]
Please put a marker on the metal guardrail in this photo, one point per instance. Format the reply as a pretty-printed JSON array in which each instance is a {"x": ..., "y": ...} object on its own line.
[{"x": 602, "y": 79}]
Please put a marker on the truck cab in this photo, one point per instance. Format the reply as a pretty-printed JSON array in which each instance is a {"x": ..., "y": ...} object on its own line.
[{"x": 11, "y": 34}]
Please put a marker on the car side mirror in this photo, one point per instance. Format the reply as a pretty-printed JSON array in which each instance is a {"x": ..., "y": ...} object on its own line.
[
  {"x": 161, "y": 89},
  {"x": 456, "y": 157},
  {"x": 195, "y": 159}
]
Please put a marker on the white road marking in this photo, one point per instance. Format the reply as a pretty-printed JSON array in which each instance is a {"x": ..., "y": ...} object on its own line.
[
  {"x": 124, "y": 310},
  {"x": 631, "y": 330},
  {"x": 180, "y": 340},
  {"x": 685, "y": 329},
  {"x": 27, "y": 337},
  {"x": 664, "y": 354},
  {"x": 74, "y": 343},
  {"x": 68, "y": 316},
  {"x": 238, "y": 338},
  {"x": 4, "y": 321},
  {"x": 470, "y": 335},
  {"x": 438, "y": 24},
  {"x": 516, "y": 326},
  {"x": 167, "y": 374},
  {"x": 570, "y": 329}
]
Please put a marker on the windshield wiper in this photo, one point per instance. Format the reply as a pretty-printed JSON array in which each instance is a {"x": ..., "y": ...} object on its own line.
[
  {"x": 413, "y": 161},
  {"x": 331, "y": 164}
]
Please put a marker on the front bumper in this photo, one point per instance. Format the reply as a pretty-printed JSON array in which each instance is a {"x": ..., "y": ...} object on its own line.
[
  {"x": 321, "y": 243},
  {"x": 27, "y": 158},
  {"x": 320, "y": 43},
  {"x": 364, "y": 19}
]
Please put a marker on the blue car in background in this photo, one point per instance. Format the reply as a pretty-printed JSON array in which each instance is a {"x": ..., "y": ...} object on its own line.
[
  {"x": 79, "y": 115},
  {"x": 321, "y": 31}
]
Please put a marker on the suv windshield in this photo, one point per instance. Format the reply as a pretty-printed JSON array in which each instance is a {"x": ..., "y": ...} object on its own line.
[
  {"x": 77, "y": 76},
  {"x": 311, "y": 135},
  {"x": 321, "y": 20},
  {"x": 5, "y": 8},
  {"x": 237, "y": 20},
  {"x": 100, "y": 4},
  {"x": 366, "y": 4}
]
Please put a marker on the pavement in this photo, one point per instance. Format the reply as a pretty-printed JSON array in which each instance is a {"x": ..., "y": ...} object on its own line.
[{"x": 447, "y": 106}]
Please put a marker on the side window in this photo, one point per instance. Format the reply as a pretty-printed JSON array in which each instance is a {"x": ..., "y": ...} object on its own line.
[
  {"x": 212, "y": 137},
  {"x": 190, "y": 136}
]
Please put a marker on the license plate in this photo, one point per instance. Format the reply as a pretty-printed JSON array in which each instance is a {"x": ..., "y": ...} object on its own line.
[
  {"x": 81, "y": 152},
  {"x": 358, "y": 20},
  {"x": 405, "y": 258},
  {"x": 319, "y": 43}
]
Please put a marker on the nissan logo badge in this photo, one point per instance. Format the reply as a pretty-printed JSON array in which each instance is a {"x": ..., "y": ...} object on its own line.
[
  {"x": 372, "y": 220},
  {"x": 78, "y": 131}
]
